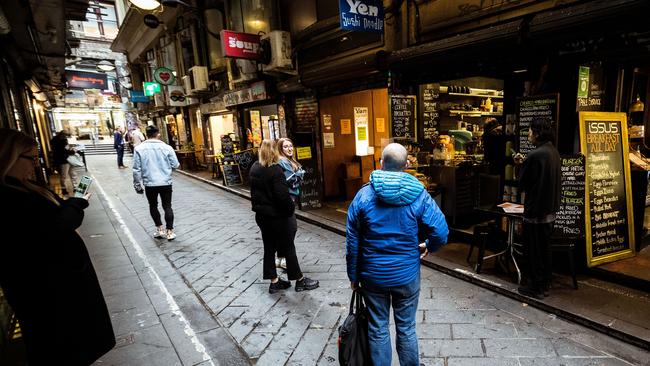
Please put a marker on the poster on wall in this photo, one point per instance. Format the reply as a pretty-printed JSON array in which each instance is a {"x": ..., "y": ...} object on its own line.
[
  {"x": 346, "y": 127},
  {"x": 327, "y": 122},
  {"x": 266, "y": 132},
  {"x": 328, "y": 139},
  {"x": 256, "y": 128},
  {"x": 591, "y": 88},
  {"x": 361, "y": 130},
  {"x": 609, "y": 228},
  {"x": 380, "y": 124}
]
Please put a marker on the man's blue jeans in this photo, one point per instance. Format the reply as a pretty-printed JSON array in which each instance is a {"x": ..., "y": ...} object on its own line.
[{"x": 405, "y": 304}]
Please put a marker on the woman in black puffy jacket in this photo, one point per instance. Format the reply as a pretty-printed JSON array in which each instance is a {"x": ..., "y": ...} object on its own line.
[{"x": 274, "y": 214}]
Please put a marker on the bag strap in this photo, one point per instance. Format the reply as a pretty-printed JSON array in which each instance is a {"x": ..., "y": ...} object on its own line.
[{"x": 354, "y": 296}]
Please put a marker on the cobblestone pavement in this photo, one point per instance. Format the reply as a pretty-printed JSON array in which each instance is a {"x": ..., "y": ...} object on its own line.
[{"x": 218, "y": 252}]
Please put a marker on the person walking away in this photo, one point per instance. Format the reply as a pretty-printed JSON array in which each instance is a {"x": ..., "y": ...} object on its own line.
[
  {"x": 539, "y": 179},
  {"x": 137, "y": 137},
  {"x": 274, "y": 214},
  {"x": 46, "y": 275},
  {"x": 60, "y": 152},
  {"x": 293, "y": 174},
  {"x": 387, "y": 219},
  {"x": 153, "y": 163},
  {"x": 118, "y": 145}
]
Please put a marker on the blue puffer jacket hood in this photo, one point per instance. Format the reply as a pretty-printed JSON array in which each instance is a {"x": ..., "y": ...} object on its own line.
[{"x": 395, "y": 188}]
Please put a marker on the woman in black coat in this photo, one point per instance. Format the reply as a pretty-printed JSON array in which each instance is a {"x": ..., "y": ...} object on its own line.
[
  {"x": 45, "y": 270},
  {"x": 274, "y": 214}
]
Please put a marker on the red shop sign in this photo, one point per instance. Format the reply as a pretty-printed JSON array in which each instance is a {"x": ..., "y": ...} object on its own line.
[{"x": 240, "y": 45}]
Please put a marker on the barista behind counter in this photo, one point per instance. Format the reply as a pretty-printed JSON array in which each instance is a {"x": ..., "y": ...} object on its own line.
[{"x": 494, "y": 143}]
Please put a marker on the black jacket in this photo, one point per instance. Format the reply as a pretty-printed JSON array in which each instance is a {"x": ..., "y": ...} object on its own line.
[
  {"x": 539, "y": 178},
  {"x": 59, "y": 152},
  {"x": 48, "y": 279},
  {"x": 269, "y": 191}
]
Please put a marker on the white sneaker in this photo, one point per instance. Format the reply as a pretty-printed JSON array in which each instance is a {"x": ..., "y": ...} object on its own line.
[
  {"x": 170, "y": 235},
  {"x": 160, "y": 233}
]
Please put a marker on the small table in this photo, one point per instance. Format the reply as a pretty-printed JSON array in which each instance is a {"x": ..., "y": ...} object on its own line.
[{"x": 510, "y": 242}]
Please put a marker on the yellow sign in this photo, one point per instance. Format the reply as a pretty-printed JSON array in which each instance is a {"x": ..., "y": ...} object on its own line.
[
  {"x": 380, "y": 126},
  {"x": 346, "y": 127},
  {"x": 303, "y": 152},
  {"x": 362, "y": 132}
]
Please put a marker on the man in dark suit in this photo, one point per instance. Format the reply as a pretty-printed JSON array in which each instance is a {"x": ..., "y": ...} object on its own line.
[{"x": 118, "y": 144}]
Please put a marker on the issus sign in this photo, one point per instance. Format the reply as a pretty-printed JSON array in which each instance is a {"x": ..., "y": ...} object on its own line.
[{"x": 362, "y": 15}]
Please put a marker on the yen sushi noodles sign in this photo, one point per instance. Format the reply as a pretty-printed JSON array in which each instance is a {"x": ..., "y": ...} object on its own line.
[{"x": 362, "y": 15}]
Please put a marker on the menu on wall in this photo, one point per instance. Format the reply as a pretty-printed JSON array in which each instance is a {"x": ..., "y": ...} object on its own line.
[
  {"x": 530, "y": 109},
  {"x": 430, "y": 114},
  {"x": 608, "y": 212},
  {"x": 569, "y": 219},
  {"x": 402, "y": 113}
]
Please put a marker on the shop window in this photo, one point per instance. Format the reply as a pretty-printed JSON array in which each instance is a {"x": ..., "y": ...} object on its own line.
[{"x": 253, "y": 16}]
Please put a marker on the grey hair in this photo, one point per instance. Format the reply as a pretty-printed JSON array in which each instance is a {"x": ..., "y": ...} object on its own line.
[{"x": 393, "y": 157}]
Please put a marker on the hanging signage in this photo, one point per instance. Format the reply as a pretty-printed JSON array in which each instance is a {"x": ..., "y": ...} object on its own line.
[
  {"x": 240, "y": 45},
  {"x": 256, "y": 92},
  {"x": 609, "y": 228},
  {"x": 164, "y": 76},
  {"x": 86, "y": 80},
  {"x": 591, "y": 88},
  {"x": 150, "y": 88},
  {"x": 137, "y": 96},
  {"x": 362, "y": 15},
  {"x": 176, "y": 96}
]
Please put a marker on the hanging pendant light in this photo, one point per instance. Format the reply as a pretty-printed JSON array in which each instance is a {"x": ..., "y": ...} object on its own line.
[{"x": 145, "y": 4}]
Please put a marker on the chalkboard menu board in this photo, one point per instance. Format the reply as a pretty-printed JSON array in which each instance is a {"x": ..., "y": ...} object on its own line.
[
  {"x": 402, "y": 116},
  {"x": 608, "y": 212},
  {"x": 245, "y": 160},
  {"x": 227, "y": 145},
  {"x": 531, "y": 108},
  {"x": 569, "y": 220},
  {"x": 231, "y": 174},
  {"x": 310, "y": 190},
  {"x": 430, "y": 112}
]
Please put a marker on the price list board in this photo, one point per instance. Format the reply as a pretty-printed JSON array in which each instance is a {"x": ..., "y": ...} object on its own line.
[
  {"x": 402, "y": 113},
  {"x": 569, "y": 220},
  {"x": 430, "y": 110},
  {"x": 608, "y": 211},
  {"x": 531, "y": 108}
]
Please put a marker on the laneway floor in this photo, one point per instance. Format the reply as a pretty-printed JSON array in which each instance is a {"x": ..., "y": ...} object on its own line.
[{"x": 200, "y": 299}]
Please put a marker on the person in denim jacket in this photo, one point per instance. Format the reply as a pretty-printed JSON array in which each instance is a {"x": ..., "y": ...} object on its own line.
[{"x": 153, "y": 163}]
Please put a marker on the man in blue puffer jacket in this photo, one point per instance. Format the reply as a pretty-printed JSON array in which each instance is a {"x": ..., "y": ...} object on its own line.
[{"x": 386, "y": 220}]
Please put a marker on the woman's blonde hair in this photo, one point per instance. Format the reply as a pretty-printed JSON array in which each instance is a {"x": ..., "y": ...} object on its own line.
[
  {"x": 268, "y": 154},
  {"x": 294, "y": 163},
  {"x": 13, "y": 144}
]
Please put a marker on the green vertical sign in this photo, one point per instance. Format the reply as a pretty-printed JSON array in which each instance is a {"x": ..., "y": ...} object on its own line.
[{"x": 583, "y": 82}]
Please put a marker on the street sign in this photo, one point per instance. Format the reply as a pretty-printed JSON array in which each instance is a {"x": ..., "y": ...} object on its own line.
[{"x": 150, "y": 88}]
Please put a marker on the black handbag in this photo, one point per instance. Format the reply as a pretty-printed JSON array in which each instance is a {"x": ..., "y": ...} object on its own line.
[{"x": 354, "y": 349}]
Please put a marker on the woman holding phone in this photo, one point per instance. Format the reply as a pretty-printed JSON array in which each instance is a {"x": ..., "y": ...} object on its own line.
[
  {"x": 47, "y": 275},
  {"x": 293, "y": 174},
  {"x": 274, "y": 214}
]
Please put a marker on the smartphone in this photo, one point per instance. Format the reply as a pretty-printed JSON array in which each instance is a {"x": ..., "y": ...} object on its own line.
[{"x": 83, "y": 186}]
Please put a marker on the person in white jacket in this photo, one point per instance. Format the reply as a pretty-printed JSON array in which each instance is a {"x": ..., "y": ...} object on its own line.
[{"x": 153, "y": 163}]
